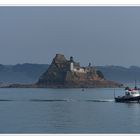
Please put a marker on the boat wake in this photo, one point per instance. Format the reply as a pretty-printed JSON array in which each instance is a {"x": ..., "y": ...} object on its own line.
[
  {"x": 5, "y": 100},
  {"x": 39, "y": 100},
  {"x": 100, "y": 100},
  {"x": 69, "y": 100},
  {"x": 61, "y": 100}
]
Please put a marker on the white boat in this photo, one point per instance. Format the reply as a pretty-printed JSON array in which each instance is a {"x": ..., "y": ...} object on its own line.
[{"x": 131, "y": 95}]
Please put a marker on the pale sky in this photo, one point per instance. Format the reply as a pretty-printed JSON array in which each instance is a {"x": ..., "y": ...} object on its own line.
[{"x": 100, "y": 35}]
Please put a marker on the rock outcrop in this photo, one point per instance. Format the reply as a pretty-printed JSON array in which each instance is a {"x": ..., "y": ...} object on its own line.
[{"x": 64, "y": 73}]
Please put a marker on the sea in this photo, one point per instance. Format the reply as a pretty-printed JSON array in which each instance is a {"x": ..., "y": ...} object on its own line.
[{"x": 66, "y": 111}]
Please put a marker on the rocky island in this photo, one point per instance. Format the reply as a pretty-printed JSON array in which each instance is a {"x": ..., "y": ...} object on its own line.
[{"x": 63, "y": 73}]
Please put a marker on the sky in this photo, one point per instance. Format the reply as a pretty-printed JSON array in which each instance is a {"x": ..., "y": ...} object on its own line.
[{"x": 100, "y": 35}]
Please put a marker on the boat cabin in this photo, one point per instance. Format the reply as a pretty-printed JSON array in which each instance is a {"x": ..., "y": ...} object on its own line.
[{"x": 132, "y": 92}]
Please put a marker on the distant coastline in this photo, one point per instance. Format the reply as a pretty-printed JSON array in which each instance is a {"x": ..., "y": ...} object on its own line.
[
  {"x": 29, "y": 73},
  {"x": 24, "y": 75}
]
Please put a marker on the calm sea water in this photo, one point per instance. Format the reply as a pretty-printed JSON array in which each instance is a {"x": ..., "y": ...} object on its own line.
[{"x": 66, "y": 111}]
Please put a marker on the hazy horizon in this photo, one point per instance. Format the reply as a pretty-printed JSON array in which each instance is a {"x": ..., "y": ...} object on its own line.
[
  {"x": 100, "y": 35},
  {"x": 80, "y": 64}
]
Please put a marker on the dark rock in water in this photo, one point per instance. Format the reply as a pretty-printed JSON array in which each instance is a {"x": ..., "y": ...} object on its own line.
[{"x": 65, "y": 73}]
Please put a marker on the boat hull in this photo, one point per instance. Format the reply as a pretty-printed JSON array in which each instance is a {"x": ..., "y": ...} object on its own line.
[{"x": 131, "y": 99}]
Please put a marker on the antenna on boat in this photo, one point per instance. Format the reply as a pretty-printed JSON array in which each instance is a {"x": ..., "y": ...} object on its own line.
[
  {"x": 135, "y": 83},
  {"x": 114, "y": 93}
]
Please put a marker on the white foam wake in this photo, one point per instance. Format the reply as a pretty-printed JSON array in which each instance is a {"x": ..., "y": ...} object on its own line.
[{"x": 101, "y": 100}]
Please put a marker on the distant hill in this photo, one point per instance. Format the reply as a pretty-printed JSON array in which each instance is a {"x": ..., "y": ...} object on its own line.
[
  {"x": 21, "y": 73},
  {"x": 29, "y": 73},
  {"x": 121, "y": 74}
]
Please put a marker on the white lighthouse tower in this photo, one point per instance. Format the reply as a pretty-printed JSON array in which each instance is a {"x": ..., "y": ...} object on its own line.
[{"x": 71, "y": 64}]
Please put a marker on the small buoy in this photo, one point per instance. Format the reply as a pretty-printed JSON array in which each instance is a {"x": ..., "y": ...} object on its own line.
[{"x": 82, "y": 89}]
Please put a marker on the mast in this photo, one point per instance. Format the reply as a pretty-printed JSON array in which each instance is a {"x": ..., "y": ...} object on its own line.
[
  {"x": 114, "y": 93},
  {"x": 135, "y": 83}
]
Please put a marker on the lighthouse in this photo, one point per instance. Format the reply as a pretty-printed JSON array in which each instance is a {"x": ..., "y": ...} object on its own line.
[{"x": 71, "y": 64}]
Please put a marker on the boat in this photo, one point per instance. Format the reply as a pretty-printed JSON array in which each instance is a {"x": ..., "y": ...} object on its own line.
[{"x": 131, "y": 95}]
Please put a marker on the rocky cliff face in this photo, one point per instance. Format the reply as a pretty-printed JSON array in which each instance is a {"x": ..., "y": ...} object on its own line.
[
  {"x": 68, "y": 73},
  {"x": 56, "y": 73}
]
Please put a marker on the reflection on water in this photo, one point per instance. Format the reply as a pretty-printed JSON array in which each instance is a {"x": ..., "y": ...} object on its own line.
[{"x": 66, "y": 111}]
